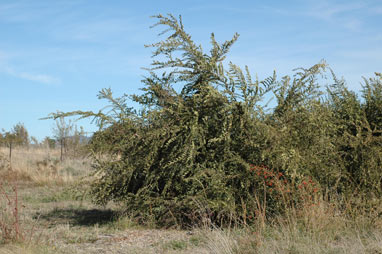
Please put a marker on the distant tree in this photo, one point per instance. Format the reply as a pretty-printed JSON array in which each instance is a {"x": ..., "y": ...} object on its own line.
[
  {"x": 75, "y": 138},
  {"x": 49, "y": 142},
  {"x": 21, "y": 133},
  {"x": 69, "y": 136},
  {"x": 62, "y": 131},
  {"x": 34, "y": 141},
  {"x": 10, "y": 139},
  {"x": 17, "y": 136}
]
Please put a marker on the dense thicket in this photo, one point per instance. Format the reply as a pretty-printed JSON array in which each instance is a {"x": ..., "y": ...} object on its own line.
[{"x": 204, "y": 138}]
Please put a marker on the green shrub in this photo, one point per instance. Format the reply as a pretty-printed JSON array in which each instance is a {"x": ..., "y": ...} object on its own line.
[{"x": 188, "y": 153}]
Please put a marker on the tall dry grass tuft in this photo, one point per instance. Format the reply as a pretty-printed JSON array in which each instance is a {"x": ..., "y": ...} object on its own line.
[
  {"x": 42, "y": 166},
  {"x": 325, "y": 226},
  {"x": 220, "y": 241},
  {"x": 314, "y": 224}
]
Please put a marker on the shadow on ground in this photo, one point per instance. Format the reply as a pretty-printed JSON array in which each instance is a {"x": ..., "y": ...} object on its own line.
[{"x": 78, "y": 217}]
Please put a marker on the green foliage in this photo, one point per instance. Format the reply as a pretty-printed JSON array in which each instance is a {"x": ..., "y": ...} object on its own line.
[
  {"x": 372, "y": 94},
  {"x": 187, "y": 153},
  {"x": 49, "y": 142},
  {"x": 17, "y": 136},
  {"x": 358, "y": 139},
  {"x": 21, "y": 133}
]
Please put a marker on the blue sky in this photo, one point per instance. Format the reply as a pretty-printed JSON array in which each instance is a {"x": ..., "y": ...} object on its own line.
[{"x": 57, "y": 55}]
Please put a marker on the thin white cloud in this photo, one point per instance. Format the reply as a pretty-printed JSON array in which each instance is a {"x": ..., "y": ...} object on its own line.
[
  {"x": 330, "y": 11},
  {"x": 3, "y": 56},
  {"x": 6, "y": 7},
  {"x": 325, "y": 10},
  {"x": 98, "y": 30},
  {"x": 40, "y": 78},
  {"x": 378, "y": 10},
  {"x": 352, "y": 24},
  {"x": 339, "y": 14},
  {"x": 36, "y": 77},
  {"x": 362, "y": 54},
  {"x": 27, "y": 11},
  {"x": 14, "y": 12}
]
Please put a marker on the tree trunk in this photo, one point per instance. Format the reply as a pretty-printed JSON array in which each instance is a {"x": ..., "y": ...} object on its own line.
[
  {"x": 62, "y": 149},
  {"x": 10, "y": 155}
]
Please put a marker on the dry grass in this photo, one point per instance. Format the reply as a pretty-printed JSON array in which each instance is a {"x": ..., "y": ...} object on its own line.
[
  {"x": 42, "y": 166},
  {"x": 324, "y": 228},
  {"x": 65, "y": 222},
  {"x": 25, "y": 249}
]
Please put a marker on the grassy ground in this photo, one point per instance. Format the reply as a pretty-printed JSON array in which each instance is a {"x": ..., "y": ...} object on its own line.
[{"x": 56, "y": 219}]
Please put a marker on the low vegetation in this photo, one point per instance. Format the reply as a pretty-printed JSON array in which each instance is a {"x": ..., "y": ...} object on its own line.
[
  {"x": 42, "y": 166},
  {"x": 55, "y": 215}
]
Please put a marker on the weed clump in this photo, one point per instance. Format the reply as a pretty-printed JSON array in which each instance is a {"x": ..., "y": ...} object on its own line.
[
  {"x": 11, "y": 226},
  {"x": 193, "y": 152}
]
